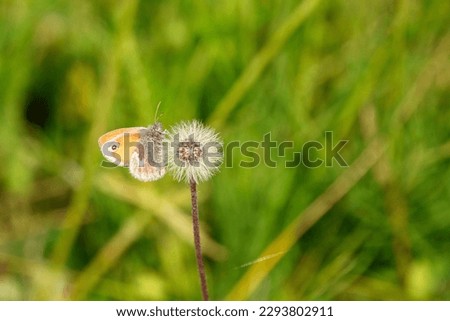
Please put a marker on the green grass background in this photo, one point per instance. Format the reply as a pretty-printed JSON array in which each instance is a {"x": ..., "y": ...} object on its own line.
[{"x": 376, "y": 73}]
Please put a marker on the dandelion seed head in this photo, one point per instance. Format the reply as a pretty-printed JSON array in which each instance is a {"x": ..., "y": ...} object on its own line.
[{"x": 195, "y": 152}]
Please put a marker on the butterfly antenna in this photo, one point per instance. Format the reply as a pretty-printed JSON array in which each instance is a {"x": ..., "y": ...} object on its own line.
[{"x": 156, "y": 112}]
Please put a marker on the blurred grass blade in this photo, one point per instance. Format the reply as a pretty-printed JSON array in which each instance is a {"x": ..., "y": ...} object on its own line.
[
  {"x": 438, "y": 64},
  {"x": 315, "y": 211},
  {"x": 78, "y": 206},
  {"x": 130, "y": 231},
  {"x": 258, "y": 272},
  {"x": 103, "y": 105},
  {"x": 260, "y": 62},
  {"x": 159, "y": 206}
]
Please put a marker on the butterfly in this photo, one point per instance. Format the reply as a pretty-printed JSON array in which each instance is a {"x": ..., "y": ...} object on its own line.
[{"x": 138, "y": 148}]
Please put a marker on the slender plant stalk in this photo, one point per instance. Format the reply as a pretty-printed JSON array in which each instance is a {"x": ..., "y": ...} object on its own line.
[{"x": 197, "y": 244}]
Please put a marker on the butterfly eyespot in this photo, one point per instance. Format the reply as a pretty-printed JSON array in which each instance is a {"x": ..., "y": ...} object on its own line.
[{"x": 113, "y": 147}]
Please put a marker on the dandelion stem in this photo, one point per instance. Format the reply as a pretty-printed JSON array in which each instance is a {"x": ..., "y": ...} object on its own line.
[{"x": 197, "y": 244}]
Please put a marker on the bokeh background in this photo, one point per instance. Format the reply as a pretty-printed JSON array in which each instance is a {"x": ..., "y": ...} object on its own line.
[{"x": 375, "y": 73}]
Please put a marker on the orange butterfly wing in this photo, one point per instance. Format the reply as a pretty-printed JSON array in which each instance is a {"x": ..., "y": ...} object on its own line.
[{"x": 127, "y": 140}]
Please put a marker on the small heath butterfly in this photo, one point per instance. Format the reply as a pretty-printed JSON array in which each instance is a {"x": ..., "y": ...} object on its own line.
[{"x": 138, "y": 148}]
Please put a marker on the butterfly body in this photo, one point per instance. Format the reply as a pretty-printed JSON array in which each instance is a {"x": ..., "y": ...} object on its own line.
[{"x": 138, "y": 148}]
